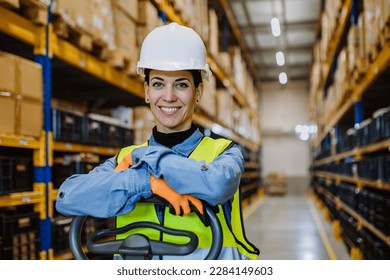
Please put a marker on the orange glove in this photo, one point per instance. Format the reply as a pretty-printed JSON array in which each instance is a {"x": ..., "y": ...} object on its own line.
[
  {"x": 180, "y": 202},
  {"x": 126, "y": 162}
]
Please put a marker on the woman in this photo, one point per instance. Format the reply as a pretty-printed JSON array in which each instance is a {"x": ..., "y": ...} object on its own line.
[{"x": 177, "y": 163}]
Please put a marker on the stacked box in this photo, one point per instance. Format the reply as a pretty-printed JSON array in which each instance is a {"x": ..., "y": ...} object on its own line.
[
  {"x": 376, "y": 16},
  {"x": 225, "y": 107},
  {"x": 195, "y": 14},
  {"x": 125, "y": 54},
  {"x": 353, "y": 47},
  {"x": 102, "y": 24},
  {"x": 362, "y": 61},
  {"x": 13, "y": 4},
  {"x": 21, "y": 96},
  {"x": 36, "y": 10},
  {"x": 341, "y": 76},
  {"x": 143, "y": 124},
  {"x": 213, "y": 40},
  {"x": 208, "y": 100},
  {"x": 148, "y": 19},
  {"x": 130, "y": 7},
  {"x": 75, "y": 14}
]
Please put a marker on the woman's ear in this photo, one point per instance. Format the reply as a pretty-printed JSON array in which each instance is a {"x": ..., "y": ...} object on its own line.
[
  {"x": 199, "y": 92},
  {"x": 146, "y": 89}
]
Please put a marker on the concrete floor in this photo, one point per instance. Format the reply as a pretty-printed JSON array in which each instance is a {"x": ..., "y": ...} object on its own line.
[{"x": 291, "y": 227}]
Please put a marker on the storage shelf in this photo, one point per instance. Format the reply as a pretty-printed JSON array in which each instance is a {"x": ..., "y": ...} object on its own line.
[
  {"x": 80, "y": 148},
  {"x": 19, "y": 141},
  {"x": 252, "y": 164},
  {"x": 21, "y": 198},
  {"x": 336, "y": 39},
  {"x": 356, "y": 152},
  {"x": 22, "y": 29},
  {"x": 374, "y": 70},
  {"x": 361, "y": 221},
  {"x": 90, "y": 64},
  {"x": 378, "y": 184}
]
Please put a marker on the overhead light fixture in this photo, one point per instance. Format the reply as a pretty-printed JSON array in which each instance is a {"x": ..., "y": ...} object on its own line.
[
  {"x": 280, "y": 58},
  {"x": 275, "y": 27},
  {"x": 283, "y": 78}
]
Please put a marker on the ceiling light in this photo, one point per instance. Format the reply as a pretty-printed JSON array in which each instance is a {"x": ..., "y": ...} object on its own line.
[
  {"x": 283, "y": 78},
  {"x": 280, "y": 58},
  {"x": 275, "y": 26}
]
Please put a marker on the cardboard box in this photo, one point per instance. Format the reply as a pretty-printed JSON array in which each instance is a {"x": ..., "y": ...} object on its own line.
[
  {"x": 143, "y": 117},
  {"x": 31, "y": 118},
  {"x": 8, "y": 72},
  {"x": 130, "y": 7},
  {"x": 7, "y": 114},
  {"x": 20, "y": 115},
  {"x": 29, "y": 77},
  {"x": 14, "y": 4},
  {"x": 125, "y": 39},
  {"x": 22, "y": 76}
]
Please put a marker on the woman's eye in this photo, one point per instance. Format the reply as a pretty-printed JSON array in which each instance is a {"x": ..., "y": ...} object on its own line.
[
  {"x": 157, "y": 85},
  {"x": 182, "y": 85}
]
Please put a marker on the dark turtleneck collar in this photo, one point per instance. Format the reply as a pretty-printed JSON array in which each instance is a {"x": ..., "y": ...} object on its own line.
[{"x": 171, "y": 139}]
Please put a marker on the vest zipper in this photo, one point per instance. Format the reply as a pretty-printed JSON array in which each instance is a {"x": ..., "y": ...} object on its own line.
[{"x": 160, "y": 210}]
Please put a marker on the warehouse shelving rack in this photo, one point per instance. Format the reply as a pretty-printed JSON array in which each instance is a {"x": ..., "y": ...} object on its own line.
[
  {"x": 352, "y": 103},
  {"x": 50, "y": 50}
]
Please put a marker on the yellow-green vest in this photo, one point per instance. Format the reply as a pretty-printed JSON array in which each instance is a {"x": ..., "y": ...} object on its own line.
[{"x": 207, "y": 150}]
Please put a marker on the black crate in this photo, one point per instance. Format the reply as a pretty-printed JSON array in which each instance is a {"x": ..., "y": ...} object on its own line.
[
  {"x": 62, "y": 171},
  {"x": 68, "y": 126},
  {"x": 23, "y": 174},
  {"x": 1, "y": 248},
  {"x": 386, "y": 168},
  {"x": 16, "y": 174},
  {"x": 95, "y": 132},
  {"x": 363, "y": 133},
  {"x": 61, "y": 226},
  {"x": 351, "y": 233},
  {"x": 114, "y": 135},
  {"x": 369, "y": 168},
  {"x": 373, "y": 248},
  {"x": 385, "y": 120},
  {"x": 127, "y": 137},
  {"x": 25, "y": 247},
  {"x": 382, "y": 123},
  {"x": 6, "y": 175},
  {"x": 13, "y": 224}
]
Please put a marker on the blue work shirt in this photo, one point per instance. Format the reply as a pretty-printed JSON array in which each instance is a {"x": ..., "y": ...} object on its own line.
[{"x": 104, "y": 193}]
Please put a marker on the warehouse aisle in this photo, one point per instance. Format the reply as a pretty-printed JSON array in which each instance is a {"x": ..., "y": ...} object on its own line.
[{"x": 291, "y": 227}]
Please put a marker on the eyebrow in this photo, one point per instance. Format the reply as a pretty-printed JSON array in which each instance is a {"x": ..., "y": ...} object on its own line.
[{"x": 178, "y": 80}]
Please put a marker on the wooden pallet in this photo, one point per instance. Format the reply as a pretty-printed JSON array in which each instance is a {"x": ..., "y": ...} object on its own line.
[
  {"x": 68, "y": 29},
  {"x": 381, "y": 40},
  {"x": 34, "y": 10},
  {"x": 119, "y": 60}
]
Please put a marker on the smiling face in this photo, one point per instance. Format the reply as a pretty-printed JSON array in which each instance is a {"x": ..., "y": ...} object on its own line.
[{"x": 172, "y": 96}]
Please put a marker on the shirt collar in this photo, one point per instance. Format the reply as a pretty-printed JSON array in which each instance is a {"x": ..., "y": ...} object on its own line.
[{"x": 184, "y": 148}]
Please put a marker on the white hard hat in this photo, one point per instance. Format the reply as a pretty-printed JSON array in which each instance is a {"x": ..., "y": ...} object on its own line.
[{"x": 173, "y": 47}]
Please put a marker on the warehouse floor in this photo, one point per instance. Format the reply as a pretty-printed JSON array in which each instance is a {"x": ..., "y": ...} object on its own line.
[{"x": 291, "y": 227}]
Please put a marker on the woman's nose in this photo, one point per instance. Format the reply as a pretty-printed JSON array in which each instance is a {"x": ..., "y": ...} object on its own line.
[{"x": 169, "y": 94}]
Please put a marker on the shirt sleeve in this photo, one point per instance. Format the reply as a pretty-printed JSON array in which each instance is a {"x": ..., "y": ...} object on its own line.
[
  {"x": 215, "y": 182},
  {"x": 102, "y": 192}
]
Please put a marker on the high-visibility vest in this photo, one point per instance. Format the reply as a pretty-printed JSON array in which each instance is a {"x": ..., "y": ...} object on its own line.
[{"x": 233, "y": 232}]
